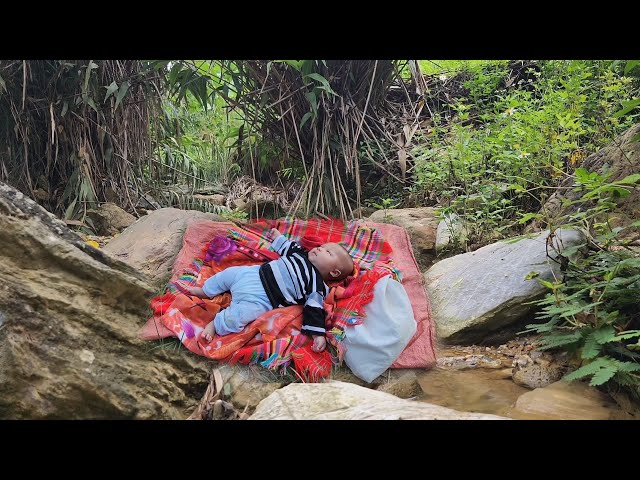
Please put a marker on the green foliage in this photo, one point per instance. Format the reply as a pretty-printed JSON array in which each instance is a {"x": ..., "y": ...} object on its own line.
[
  {"x": 632, "y": 68},
  {"x": 602, "y": 370},
  {"x": 494, "y": 154},
  {"x": 484, "y": 83},
  {"x": 384, "y": 204},
  {"x": 235, "y": 215},
  {"x": 75, "y": 133},
  {"x": 436, "y": 67},
  {"x": 195, "y": 137},
  {"x": 593, "y": 312}
]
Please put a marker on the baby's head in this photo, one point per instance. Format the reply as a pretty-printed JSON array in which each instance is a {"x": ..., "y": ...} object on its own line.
[{"x": 332, "y": 261}]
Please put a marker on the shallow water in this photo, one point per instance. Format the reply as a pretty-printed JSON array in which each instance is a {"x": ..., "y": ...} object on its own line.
[
  {"x": 474, "y": 390},
  {"x": 483, "y": 390}
]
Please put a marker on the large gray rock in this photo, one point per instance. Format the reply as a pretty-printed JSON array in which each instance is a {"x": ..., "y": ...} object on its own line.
[
  {"x": 451, "y": 230},
  {"x": 346, "y": 401},
  {"x": 69, "y": 321},
  {"x": 480, "y": 292},
  {"x": 152, "y": 243}
]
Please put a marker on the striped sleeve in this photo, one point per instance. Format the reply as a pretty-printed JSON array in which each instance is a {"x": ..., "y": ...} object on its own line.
[
  {"x": 314, "y": 315},
  {"x": 286, "y": 247}
]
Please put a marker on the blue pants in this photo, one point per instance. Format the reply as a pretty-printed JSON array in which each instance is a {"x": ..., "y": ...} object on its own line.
[{"x": 248, "y": 298}]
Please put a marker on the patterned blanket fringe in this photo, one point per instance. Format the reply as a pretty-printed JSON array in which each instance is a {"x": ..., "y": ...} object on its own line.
[
  {"x": 161, "y": 303},
  {"x": 274, "y": 355}
]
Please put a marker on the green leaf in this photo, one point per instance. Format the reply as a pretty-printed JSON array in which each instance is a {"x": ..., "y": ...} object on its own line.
[
  {"x": 305, "y": 117},
  {"x": 65, "y": 107},
  {"x": 87, "y": 74},
  {"x": 628, "y": 367},
  {"x": 110, "y": 90},
  {"x": 124, "y": 86},
  {"x": 627, "y": 107},
  {"x": 602, "y": 376},
  {"x": 173, "y": 73},
  {"x": 528, "y": 216},
  {"x": 628, "y": 334},
  {"x": 592, "y": 368},
  {"x": 546, "y": 283},
  {"x": 92, "y": 104},
  {"x": 554, "y": 341},
  {"x": 322, "y": 80},
  {"x": 630, "y": 66},
  {"x": 591, "y": 347},
  {"x": 515, "y": 187},
  {"x": 306, "y": 66},
  {"x": 159, "y": 64},
  {"x": 311, "y": 96},
  {"x": 582, "y": 174},
  {"x": 630, "y": 179},
  {"x": 604, "y": 335},
  {"x": 69, "y": 211},
  {"x": 531, "y": 275},
  {"x": 3, "y": 84},
  {"x": 292, "y": 63}
]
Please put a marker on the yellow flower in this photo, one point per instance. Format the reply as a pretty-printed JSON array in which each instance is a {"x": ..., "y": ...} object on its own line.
[
  {"x": 93, "y": 243},
  {"x": 577, "y": 157}
]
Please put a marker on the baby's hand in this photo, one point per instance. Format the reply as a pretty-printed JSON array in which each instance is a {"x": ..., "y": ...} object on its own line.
[
  {"x": 275, "y": 233},
  {"x": 319, "y": 344}
]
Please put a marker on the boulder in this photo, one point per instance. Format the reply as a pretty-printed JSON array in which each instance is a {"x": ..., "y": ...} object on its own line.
[
  {"x": 69, "y": 321},
  {"x": 345, "y": 401},
  {"x": 477, "y": 293},
  {"x": 422, "y": 225},
  {"x": 110, "y": 219},
  {"x": 152, "y": 243}
]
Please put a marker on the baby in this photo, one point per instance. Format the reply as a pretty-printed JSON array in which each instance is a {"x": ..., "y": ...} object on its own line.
[{"x": 296, "y": 278}]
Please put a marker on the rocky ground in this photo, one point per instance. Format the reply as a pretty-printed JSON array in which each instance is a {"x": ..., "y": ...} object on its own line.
[
  {"x": 515, "y": 352},
  {"x": 518, "y": 359}
]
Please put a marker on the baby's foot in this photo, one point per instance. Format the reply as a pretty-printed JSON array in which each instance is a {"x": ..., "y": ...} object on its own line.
[{"x": 209, "y": 331}]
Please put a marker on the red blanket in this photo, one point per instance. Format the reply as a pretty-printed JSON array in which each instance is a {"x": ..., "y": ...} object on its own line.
[{"x": 273, "y": 337}]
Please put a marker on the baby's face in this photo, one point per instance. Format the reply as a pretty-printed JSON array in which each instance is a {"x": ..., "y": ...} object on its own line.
[{"x": 329, "y": 257}]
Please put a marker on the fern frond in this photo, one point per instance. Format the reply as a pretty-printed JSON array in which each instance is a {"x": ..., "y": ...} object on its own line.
[
  {"x": 541, "y": 327},
  {"x": 591, "y": 368},
  {"x": 628, "y": 367},
  {"x": 591, "y": 347},
  {"x": 554, "y": 341},
  {"x": 602, "y": 376},
  {"x": 627, "y": 335},
  {"x": 605, "y": 335},
  {"x": 625, "y": 379}
]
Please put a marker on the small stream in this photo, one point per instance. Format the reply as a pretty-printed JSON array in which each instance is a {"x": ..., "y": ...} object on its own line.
[
  {"x": 475, "y": 390},
  {"x": 486, "y": 390},
  {"x": 479, "y": 379}
]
